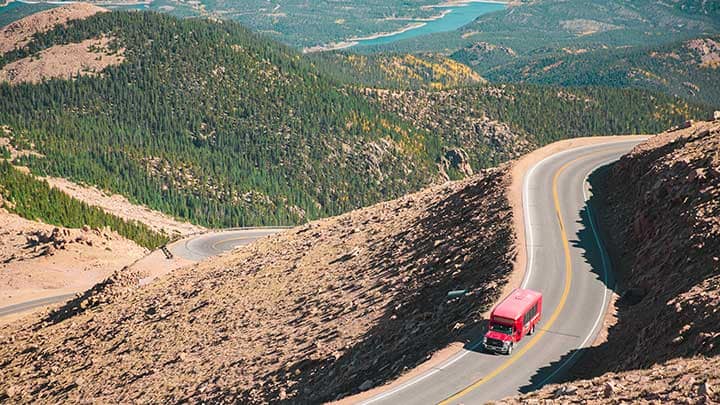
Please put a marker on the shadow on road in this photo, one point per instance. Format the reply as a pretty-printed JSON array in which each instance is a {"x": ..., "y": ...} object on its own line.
[{"x": 643, "y": 246}]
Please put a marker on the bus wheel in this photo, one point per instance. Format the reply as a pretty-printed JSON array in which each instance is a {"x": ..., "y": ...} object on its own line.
[
  {"x": 532, "y": 330},
  {"x": 510, "y": 349}
]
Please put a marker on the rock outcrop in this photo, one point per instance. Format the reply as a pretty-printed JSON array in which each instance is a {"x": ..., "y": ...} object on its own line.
[{"x": 463, "y": 123}]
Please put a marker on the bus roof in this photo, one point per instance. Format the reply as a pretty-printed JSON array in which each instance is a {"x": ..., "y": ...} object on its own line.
[{"x": 516, "y": 304}]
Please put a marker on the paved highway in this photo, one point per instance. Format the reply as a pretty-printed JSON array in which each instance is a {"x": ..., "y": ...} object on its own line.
[
  {"x": 565, "y": 263},
  {"x": 195, "y": 248},
  {"x": 213, "y": 243}
]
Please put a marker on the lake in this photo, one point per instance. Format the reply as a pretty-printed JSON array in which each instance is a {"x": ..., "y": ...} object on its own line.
[{"x": 458, "y": 16}]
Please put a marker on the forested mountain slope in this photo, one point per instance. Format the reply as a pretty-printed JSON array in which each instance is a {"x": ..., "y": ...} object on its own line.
[
  {"x": 546, "y": 26},
  {"x": 687, "y": 68},
  {"x": 35, "y": 200},
  {"x": 585, "y": 42},
  {"x": 212, "y": 123},
  {"x": 407, "y": 71}
]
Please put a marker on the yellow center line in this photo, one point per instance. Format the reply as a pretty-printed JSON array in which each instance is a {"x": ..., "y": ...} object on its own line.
[
  {"x": 214, "y": 245},
  {"x": 558, "y": 309}
]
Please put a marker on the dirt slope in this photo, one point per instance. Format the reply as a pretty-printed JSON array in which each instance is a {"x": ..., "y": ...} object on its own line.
[
  {"x": 336, "y": 306},
  {"x": 660, "y": 206},
  {"x": 19, "y": 33},
  {"x": 39, "y": 260}
]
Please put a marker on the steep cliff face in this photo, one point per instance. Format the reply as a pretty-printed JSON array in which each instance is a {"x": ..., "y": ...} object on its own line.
[{"x": 662, "y": 203}]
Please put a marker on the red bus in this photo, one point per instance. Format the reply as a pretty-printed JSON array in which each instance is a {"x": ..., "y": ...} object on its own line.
[{"x": 513, "y": 318}]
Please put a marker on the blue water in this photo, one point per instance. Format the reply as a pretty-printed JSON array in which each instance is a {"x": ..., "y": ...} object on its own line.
[
  {"x": 131, "y": 7},
  {"x": 459, "y": 16},
  {"x": 15, "y": 11}
]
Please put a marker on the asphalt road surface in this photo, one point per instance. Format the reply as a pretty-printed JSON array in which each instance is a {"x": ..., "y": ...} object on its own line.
[
  {"x": 196, "y": 248},
  {"x": 210, "y": 244},
  {"x": 28, "y": 305},
  {"x": 566, "y": 263}
]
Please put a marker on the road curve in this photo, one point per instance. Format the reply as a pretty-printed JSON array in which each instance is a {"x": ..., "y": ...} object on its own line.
[
  {"x": 195, "y": 248},
  {"x": 210, "y": 244},
  {"x": 565, "y": 262}
]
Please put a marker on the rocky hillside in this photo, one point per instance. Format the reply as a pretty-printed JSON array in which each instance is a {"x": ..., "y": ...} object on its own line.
[
  {"x": 317, "y": 312},
  {"x": 661, "y": 207},
  {"x": 38, "y": 260},
  {"x": 19, "y": 33}
]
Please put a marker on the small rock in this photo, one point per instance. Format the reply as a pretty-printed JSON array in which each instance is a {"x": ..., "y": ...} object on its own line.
[
  {"x": 366, "y": 385},
  {"x": 565, "y": 390},
  {"x": 687, "y": 381},
  {"x": 609, "y": 390},
  {"x": 705, "y": 389},
  {"x": 12, "y": 391}
]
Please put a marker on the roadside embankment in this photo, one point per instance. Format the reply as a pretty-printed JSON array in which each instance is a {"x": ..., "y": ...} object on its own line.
[
  {"x": 39, "y": 260},
  {"x": 659, "y": 207}
]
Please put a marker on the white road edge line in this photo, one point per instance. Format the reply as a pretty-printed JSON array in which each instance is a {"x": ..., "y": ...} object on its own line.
[
  {"x": 526, "y": 279},
  {"x": 606, "y": 273}
]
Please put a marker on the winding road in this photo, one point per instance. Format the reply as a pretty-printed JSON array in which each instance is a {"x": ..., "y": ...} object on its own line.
[
  {"x": 210, "y": 244},
  {"x": 566, "y": 262}
]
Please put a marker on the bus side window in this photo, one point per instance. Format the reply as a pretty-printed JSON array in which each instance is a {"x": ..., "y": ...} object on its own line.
[{"x": 530, "y": 314}]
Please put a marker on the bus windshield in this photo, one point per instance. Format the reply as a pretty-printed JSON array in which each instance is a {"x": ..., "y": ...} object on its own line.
[{"x": 498, "y": 327}]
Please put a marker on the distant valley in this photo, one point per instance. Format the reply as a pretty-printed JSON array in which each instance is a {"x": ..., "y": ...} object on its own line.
[{"x": 249, "y": 137}]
